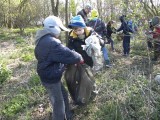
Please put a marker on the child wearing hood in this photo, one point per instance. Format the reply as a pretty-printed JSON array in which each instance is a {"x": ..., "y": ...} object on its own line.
[{"x": 52, "y": 57}]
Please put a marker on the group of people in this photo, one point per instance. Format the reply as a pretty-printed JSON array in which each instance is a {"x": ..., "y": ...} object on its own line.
[
  {"x": 106, "y": 30},
  {"x": 52, "y": 55}
]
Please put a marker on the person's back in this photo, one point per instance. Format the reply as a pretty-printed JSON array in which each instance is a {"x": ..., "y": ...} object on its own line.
[{"x": 96, "y": 23}]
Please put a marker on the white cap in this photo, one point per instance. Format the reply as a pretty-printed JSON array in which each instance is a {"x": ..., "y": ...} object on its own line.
[{"x": 53, "y": 22}]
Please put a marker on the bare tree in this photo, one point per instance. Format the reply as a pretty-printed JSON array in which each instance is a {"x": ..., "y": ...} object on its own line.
[
  {"x": 111, "y": 2},
  {"x": 55, "y": 5},
  {"x": 99, "y": 7},
  {"x": 150, "y": 7}
]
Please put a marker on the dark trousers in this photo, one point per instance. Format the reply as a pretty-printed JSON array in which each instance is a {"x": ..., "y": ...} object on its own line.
[
  {"x": 156, "y": 50},
  {"x": 110, "y": 41},
  {"x": 149, "y": 44},
  {"x": 126, "y": 44}
]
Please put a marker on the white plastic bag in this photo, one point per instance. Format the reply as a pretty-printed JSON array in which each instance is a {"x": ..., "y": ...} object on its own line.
[{"x": 93, "y": 49}]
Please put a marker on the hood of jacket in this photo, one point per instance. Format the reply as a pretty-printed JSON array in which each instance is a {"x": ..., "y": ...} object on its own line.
[
  {"x": 41, "y": 33},
  {"x": 121, "y": 18}
]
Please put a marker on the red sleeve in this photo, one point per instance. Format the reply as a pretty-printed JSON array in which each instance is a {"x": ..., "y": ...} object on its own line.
[{"x": 156, "y": 33}]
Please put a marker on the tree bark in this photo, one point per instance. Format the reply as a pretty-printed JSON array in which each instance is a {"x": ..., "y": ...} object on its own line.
[
  {"x": 125, "y": 7},
  {"x": 9, "y": 22},
  {"x": 55, "y": 7},
  {"x": 99, "y": 7},
  {"x": 66, "y": 20},
  {"x": 112, "y": 12}
]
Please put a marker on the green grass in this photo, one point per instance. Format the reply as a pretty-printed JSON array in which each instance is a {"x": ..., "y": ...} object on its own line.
[
  {"x": 5, "y": 73},
  {"x": 126, "y": 92},
  {"x": 26, "y": 97},
  {"x": 17, "y": 104}
]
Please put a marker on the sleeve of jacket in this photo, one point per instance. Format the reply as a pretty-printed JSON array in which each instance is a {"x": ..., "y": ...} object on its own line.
[
  {"x": 62, "y": 54},
  {"x": 121, "y": 28},
  {"x": 70, "y": 44}
]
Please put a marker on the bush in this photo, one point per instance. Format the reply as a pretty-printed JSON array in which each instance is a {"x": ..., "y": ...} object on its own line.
[
  {"x": 16, "y": 105},
  {"x": 5, "y": 73}
]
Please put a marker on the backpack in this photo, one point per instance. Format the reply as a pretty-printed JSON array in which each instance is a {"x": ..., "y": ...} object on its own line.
[
  {"x": 97, "y": 25},
  {"x": 132, "y": 26}
]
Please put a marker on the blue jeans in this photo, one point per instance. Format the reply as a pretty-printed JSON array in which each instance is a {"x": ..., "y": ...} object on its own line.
[
  {"x": 59, "y": 100},
  {"x": 126, "y": 44},
  {"x": 105, "y": 53}
]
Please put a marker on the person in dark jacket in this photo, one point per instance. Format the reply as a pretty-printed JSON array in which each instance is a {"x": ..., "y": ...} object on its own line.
[
  {"x": 84, "y": 12},
  {"x": 110, "y": 30},
  {"x": 99, "y": 26},
  {"x": 77, "y": 37},
  {"x": 52, "y": 57},
  {"x": 127, "y": 36}
]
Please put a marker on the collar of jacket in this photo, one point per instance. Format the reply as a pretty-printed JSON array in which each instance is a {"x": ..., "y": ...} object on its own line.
[{"x": 87, "y": 32}]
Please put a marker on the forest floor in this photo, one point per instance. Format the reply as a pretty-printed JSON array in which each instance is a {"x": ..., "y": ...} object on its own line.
[{"x": 127, "y": 91}]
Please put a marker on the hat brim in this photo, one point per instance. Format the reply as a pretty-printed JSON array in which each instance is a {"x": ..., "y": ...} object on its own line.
[{"x": 63, "y": 27}]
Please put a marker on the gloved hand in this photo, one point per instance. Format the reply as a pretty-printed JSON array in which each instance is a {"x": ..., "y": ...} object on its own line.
[
  {"x": 81, "y": 60},
  {"x": 80, "y": 63}
]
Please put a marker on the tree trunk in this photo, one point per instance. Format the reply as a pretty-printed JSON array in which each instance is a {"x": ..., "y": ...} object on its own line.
[
  {"x": 55, "y": 7},
  {"x": 9, "y": 25},
  {"x": 125, "y": 7},
  {"x": 112, "y": 12},
  {"x": 99, "y": 4},
  {"x": 66, "y": 20}
]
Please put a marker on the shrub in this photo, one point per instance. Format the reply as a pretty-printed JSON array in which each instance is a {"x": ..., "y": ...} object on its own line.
[
  {"x": 5, "y": 73},
  {"x": 15, "y": 106}
]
